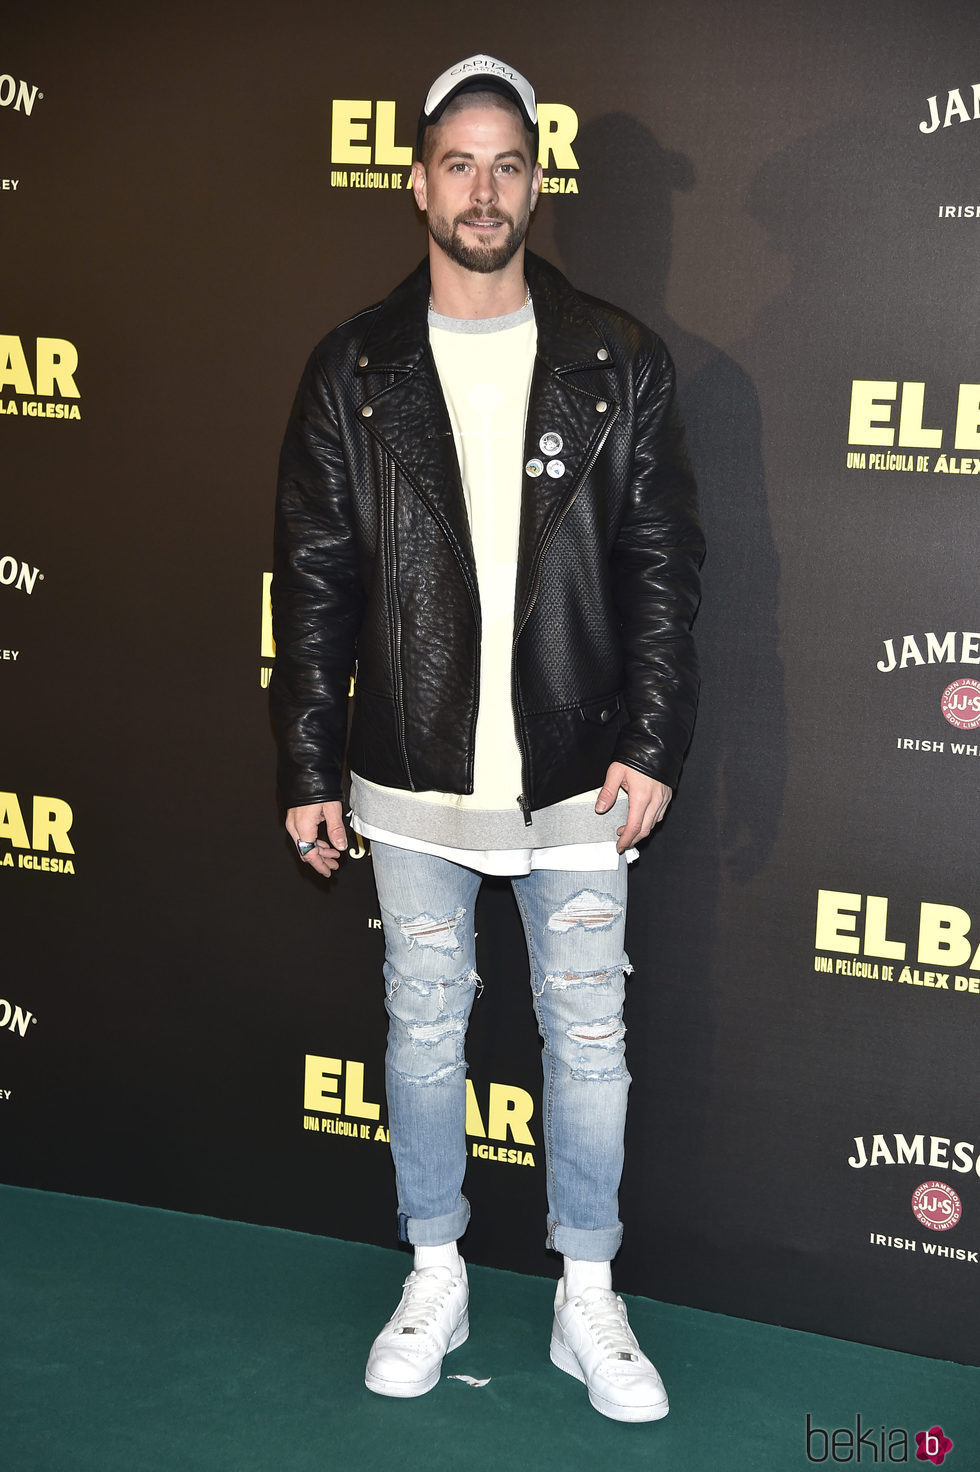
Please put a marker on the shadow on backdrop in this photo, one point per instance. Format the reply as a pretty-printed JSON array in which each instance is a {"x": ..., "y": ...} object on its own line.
[{"x": 723, "y": 823}]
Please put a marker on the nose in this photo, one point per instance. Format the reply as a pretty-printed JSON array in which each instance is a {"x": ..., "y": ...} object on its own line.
[{"x": 484, "y": 186}]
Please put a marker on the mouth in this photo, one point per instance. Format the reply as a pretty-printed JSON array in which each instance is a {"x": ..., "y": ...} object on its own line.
[{"x": 484, "y": 224}]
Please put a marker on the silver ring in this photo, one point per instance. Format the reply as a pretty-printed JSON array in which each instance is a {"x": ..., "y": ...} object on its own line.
[{"x": 305, "y": 848}]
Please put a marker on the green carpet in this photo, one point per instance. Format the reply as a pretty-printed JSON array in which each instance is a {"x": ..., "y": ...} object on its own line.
[{"x": 148, "y": 1341}]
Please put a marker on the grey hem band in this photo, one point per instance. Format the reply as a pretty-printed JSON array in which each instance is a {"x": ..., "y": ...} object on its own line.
[{"x": 448, "y": 826}]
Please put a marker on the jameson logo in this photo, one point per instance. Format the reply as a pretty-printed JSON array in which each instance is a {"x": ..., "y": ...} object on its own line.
[
  {"x": 951, "y": 647},
  {"x": 874, "y": 1443},
  {"x": 15, "y": 1019},
  {"x": 953, "y": 109},
  {"x": 935, "y": 1151},
  {"x": 20, "y": 575},
  {"x": 959, "y": 701},
  {"x": 17, "y": 95}
]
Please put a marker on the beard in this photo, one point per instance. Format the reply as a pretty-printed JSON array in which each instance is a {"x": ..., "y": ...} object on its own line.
[{"x": 481, "y": 258}]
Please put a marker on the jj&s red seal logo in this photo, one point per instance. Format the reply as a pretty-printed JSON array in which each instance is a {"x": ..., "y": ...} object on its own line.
[
  {"x": 961, "y": 704},
  {"x": 936, "y": 1206}
]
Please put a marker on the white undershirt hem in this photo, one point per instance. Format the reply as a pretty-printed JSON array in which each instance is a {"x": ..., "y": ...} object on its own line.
[{"x": 573, "y": 857}]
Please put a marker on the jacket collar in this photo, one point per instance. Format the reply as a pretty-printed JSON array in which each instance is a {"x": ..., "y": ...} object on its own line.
[{"x": 567, "y": 336}]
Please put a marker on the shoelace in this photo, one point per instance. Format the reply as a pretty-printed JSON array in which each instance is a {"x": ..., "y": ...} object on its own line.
[
  {"x": 608, "y": 1325},
  {"x": 423, "y": 1298}
]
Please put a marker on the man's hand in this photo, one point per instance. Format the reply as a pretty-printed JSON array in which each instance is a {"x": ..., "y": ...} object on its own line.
[
  {"x": 648, "y": 802},
  {"x": 301, "y": 825}
]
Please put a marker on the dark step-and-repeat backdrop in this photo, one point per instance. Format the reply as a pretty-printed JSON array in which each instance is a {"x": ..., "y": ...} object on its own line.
[{"x": 191, "y": 196}]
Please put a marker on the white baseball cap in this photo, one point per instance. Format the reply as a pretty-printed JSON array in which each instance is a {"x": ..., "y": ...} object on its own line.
[{"x": 478, "y": 74}]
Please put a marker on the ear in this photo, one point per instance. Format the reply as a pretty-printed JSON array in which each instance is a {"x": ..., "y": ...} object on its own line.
[
  {"x": 537, "y": 174},
  {"x": 418, "y": 185}
]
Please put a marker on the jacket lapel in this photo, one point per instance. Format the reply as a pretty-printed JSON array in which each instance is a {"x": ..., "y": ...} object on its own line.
[
  {"x": 568, "y": 345},
  {"x": 408, "y": 415}
]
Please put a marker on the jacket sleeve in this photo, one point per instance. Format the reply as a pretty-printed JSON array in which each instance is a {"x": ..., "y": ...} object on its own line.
[
  {"x": 655, "y": 563},
  {"x": 317, "y": 598}
]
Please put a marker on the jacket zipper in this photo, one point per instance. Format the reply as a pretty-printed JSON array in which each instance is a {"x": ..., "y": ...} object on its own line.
[{"x": 394, "y": 620}]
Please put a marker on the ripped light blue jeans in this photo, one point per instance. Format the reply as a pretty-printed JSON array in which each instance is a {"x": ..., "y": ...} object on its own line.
[{"x": 574, "y": 924}]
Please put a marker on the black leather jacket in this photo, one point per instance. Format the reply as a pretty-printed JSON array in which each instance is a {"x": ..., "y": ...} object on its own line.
[{"x": 374, "y": 560}]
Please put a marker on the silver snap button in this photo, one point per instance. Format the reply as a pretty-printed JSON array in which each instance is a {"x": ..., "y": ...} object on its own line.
[
  {"x": 534, "y": 468},
  {"x": 601, "y": 406},
  {"x": 602, "y": 355},
  {"x": 556, "y": 469},
  {"x": 551, "y": 443},
  {"x": 367, "y": 411},
  {"x": 362, "y": 362}
]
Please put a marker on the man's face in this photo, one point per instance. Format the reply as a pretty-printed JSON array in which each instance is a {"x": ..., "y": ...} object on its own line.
[{"x": 479, "y": 188}]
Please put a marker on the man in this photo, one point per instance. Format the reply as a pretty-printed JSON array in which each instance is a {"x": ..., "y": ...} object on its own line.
[{"x": 484, "y": 496}]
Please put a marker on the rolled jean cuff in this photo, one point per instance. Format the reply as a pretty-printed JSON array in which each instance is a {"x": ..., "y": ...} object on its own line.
[
  {"x": 435, "y": 1231},
  {"x": 595, "y": 1246}
]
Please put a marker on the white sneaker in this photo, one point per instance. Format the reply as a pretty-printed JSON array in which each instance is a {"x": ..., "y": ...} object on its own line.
[
  {"x": 593, "y": 1341},
  {"x": 431, "y": 1319}
]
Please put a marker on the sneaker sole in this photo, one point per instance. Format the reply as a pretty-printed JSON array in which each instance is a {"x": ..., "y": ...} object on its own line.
[
  {"x": 407, "y": 1389},
  {"x": 565, "y": 1359}
]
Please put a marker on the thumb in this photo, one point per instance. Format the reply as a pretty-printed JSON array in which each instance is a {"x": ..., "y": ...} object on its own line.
[
  {"x": 336, "y": 832},
  {"x": 606, "y": 799}
]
